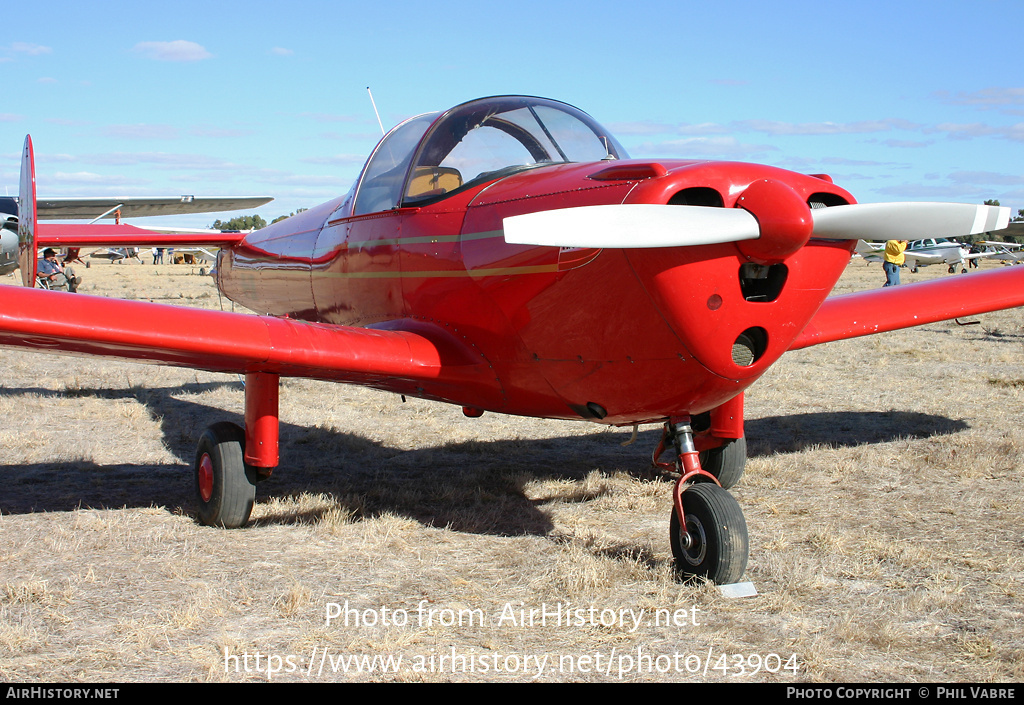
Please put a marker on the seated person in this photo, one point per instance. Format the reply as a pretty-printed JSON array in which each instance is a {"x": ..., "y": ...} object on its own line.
[{"x": 56, "y": 275}]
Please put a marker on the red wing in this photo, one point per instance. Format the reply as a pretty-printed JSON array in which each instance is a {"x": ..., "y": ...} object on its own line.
[
  {"x": 892, "y": 308},
  {"x": 109, "y": 235},
  {"x": 423, "y": 362}
]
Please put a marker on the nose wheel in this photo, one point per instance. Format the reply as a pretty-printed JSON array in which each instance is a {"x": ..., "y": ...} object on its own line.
[{"x": 713, "y": 542}]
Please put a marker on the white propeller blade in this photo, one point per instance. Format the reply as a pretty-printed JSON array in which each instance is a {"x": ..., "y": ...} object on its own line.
[
  {"x": 631, "y": 225},
  {"x": 906, "y": 221}
]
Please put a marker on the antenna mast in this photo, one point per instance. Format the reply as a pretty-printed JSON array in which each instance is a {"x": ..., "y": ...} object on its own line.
[{"x": 374, "y": 104}]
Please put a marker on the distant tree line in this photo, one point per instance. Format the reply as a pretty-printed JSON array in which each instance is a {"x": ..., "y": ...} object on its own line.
[
  {"x": 249, "y": 222},
  {"x": 241, "y": 222},
  {"x": 282, "y": 217}
]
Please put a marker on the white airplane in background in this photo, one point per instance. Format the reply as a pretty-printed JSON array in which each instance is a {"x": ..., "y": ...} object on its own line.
[
  {"x": 1008, "y": 252},
  {"x": 925, "y": 252}
]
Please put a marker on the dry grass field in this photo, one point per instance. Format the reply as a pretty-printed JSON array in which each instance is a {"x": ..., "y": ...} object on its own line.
[{"x": 883, "y": 497}]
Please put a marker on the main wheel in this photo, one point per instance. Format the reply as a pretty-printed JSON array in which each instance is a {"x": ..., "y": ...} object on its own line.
[
  {"x": 224, "y": 490},
  {"x": 714, "y": 544},
  {"x": 726, "y": 462}
]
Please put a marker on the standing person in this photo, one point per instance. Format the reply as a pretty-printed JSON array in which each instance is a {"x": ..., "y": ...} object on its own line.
[
  {"x": 894, "y": 258},
  {"x": 975, "y": 249}
]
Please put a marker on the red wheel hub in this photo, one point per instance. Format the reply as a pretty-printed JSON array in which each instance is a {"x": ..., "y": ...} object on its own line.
[{"x": 206, "y": 477}]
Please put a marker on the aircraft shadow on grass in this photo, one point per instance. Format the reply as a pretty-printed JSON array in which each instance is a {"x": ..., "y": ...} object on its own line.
[{"x": 472, "y": 487}]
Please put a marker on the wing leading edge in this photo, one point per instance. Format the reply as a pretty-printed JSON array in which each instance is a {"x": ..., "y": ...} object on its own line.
[
  {"x": 418, "y": 363},
  {"x": 89, "y": 208},
  {"x": 892, "y": 308}
]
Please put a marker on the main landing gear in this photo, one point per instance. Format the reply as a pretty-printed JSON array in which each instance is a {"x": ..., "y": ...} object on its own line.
[
  {"x": 230, "y": 460},
  {"x": 708, "y": 531},
  {"x": 223, "y": 485}
]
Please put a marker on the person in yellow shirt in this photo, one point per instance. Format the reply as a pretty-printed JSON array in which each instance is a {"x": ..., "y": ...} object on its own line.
[{"x": 893, "y": 260}]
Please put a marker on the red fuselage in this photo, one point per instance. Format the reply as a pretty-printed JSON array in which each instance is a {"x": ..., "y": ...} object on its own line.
[{"x": 617, "y": 336}]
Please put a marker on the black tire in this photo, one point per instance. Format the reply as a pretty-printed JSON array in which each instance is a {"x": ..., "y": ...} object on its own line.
[
  {"x": 726, "y": 462},
  {"x": 719, "y": 546},
  {"x": 224, "y": 490}
]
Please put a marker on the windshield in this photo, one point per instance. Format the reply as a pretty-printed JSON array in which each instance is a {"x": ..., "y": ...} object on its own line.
[
  {"x": 381, "y": 183},
  {"x": 490, "y": 137}
]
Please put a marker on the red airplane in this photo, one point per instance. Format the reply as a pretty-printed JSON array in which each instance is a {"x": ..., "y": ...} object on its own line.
[{"x": 507, "y": 256}]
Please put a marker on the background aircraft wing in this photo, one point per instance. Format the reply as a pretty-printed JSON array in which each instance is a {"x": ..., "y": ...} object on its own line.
[
  {"x": 220, "y": 341},
  {"x": 921, "y": 259},
  {"x": 89, "y": 208},
  {"x": 981, "y": 255},
  {"x": 871, "y": 252},
  {"x": 892, "y": 308},
  {"x": 1000, "y": 245}
]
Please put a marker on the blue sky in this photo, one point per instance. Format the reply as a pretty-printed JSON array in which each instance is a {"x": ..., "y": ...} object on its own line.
[{"x": 896, "y": 100}]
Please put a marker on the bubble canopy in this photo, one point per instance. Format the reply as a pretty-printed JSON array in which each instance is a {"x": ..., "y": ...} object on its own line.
[{"x": 434, "y": 155}]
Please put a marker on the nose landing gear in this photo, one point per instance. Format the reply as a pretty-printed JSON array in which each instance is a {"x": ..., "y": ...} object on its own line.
[{"x": 707, "y": 530}]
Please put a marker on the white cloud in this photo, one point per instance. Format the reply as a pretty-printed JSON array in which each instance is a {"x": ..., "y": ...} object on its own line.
[
  {"x": 142, "y": 132},
  {"x": 328, "y": 117},
  {"x": 645, "y": 127},
  {"x": 914, "y": 191},
  {"x": 906, "y": 144},
  {"x": 773, "y": 127},
  {"x": 219, "y": 132},
  {"x": 65, "y": 122},
  {"x": 843, "y": 161},
  {"x": 986, "y": 177},
  {"x": 704, "y": 128},
  {"x": 64, "y": 178},
  {"x": 160, "y": 160},
  {"x": 701, "y": 148},
  {"x": 30, "y": 49},
  {"x": 281, "y": 51},
  {"x": 178, "y": 50},
  {"x": 641, "y": 127},
  {"x": 985, "y": 98},
  {"x": 311, "y": 180},
  {"x": 963, "y": 131},
  {"x": 336, "y": 160}
]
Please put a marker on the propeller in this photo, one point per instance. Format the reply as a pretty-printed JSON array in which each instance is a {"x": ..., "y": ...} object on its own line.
[
  {"x": 27, "y": 217},
  {"x": 652, "y": 225}
]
